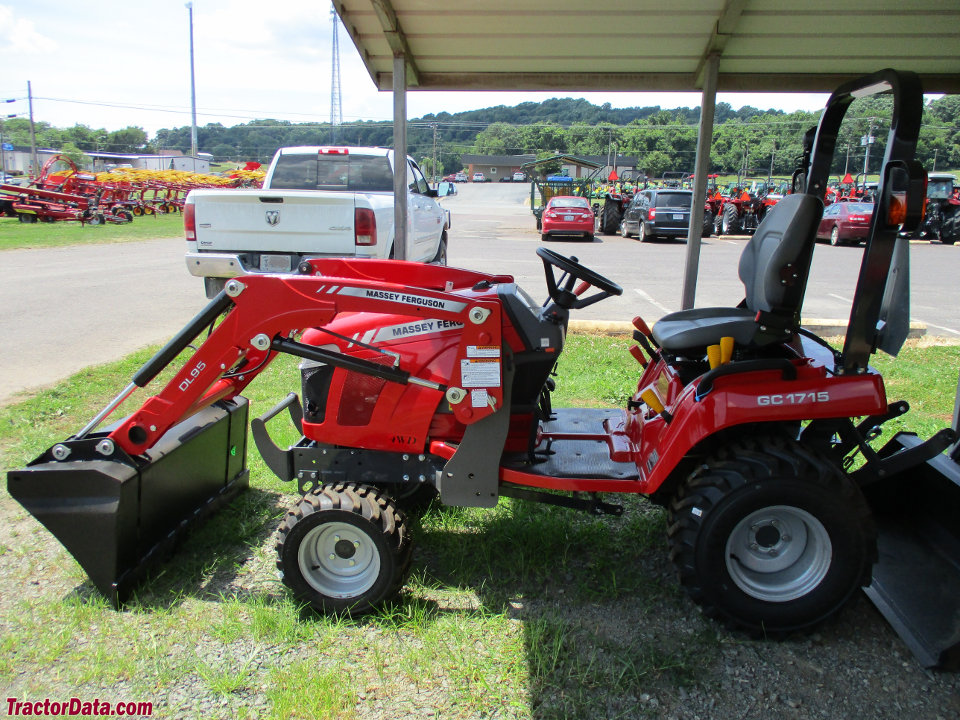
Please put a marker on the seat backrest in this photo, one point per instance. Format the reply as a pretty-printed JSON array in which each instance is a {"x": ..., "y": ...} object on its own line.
[{"x": 776, "y": 261}]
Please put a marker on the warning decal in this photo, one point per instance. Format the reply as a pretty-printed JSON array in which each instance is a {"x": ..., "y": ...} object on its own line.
[{"x": 480, "y": 373}]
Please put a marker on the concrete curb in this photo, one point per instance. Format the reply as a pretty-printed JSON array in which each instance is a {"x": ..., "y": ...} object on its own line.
[{"x": 824, "y": 328}]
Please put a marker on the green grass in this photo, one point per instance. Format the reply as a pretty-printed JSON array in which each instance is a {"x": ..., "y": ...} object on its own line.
[
  {"x": 521, "y": 611},
  {"x": 17, "y": 235}
]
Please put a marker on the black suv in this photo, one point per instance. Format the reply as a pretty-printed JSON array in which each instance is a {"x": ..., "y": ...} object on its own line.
[{"x": 661, "y": 212}]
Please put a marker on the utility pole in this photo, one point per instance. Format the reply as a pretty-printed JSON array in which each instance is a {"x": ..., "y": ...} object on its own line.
[
  {"x": 867, "y": 141},
  {"x": 935, "y": 150},
  {"x": 773, "y": 154},
  {"x": 434, "y": 169},
  {"x": 33, "y": 133},
  {"x": 193, "y": 95},
  {"x": 336, "y": 105},
  {"x": 846, "y": 164}
]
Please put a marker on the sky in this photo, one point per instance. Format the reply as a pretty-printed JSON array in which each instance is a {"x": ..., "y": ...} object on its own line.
[{"x": 115, "y": 63}]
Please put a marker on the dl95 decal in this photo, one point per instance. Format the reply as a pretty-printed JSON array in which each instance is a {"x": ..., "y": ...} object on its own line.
[{"x": 793, "y": 398}]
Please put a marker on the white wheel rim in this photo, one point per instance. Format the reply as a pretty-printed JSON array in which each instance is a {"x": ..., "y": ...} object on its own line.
[
  {"x": 778, "y": 554},
  {"x": 339, "y": 560}
]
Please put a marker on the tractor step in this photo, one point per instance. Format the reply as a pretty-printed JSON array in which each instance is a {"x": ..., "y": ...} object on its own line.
[
  {"x": 916, "y": 581},
  {"x": 576, "y": 444}
]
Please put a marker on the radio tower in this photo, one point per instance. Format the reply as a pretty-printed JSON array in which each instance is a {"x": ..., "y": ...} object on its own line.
[{"x": 336, "y": 109}]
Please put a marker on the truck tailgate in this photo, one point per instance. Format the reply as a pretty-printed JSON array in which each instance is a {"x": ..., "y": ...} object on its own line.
[{"x": 275, "y": 221}]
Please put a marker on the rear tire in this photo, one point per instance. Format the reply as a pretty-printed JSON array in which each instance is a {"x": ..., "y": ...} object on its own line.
[
  {"x": 835, "y": 236},
  {"x": 345, "y": 547},
  {"x": 441, "y": 257},
  {"x": 642, "y": 232},
  {"x": 730, "y": 220},
  {"x": 610, "y": 217},
  {"x": 771, "y": 537},
  {"x": 26, "y": 218}
]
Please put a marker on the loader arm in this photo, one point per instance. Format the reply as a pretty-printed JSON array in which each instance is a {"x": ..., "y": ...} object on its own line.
[{"x": 264, "y": 313}]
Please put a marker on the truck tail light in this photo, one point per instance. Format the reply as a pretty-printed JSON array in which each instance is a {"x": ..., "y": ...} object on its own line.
[
  {"x": 364, "y": 226},
  {"x": 334, "y": 151},
  {"x": 190, "y": 221}
]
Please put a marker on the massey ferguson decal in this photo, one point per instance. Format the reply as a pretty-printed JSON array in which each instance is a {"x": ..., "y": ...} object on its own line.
[
  {"x": 413, "y": 329},
  {"x": 399, "y": 297}
]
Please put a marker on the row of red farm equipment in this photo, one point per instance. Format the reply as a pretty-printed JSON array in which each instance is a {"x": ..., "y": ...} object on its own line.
[{"x": 64, "y": 192}]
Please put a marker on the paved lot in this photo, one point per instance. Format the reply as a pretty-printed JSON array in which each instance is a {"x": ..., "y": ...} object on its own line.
[{"x": 68, "y": 308}]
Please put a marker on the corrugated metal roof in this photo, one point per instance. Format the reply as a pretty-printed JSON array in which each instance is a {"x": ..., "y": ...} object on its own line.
[{"x": 645, "y": 45}]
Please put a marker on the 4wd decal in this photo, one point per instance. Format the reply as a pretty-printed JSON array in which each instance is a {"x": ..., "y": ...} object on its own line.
[{"x": 413, "y": 329}]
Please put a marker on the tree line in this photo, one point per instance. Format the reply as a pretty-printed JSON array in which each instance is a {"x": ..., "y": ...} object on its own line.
[{"x": 749, "y": 140}]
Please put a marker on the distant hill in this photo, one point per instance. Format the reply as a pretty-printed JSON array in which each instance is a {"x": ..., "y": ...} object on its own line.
[{"x": 747, "y": 139}]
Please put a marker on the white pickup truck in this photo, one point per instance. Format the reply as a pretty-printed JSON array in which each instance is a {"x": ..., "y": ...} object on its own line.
[{"x": 315, "y": 202}]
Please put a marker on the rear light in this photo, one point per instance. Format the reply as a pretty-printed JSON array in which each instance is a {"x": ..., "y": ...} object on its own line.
[
  {"x": 652, "y": 214},
  {"x": 190, "y": 221},
  {"x": 897, "y": 211},
  {"x": 333, "y": 151},
  {"x": 364, "y": 226}
]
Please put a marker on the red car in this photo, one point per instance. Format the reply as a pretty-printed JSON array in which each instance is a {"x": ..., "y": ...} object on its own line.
[
  {"x": 845, "y": 222},
  {"x": 567, "y": 215}
]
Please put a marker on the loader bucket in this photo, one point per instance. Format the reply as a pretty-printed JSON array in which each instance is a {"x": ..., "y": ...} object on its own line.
[
  {"x": 916, "y": 581},
  {"x": 118, "y": 514}
]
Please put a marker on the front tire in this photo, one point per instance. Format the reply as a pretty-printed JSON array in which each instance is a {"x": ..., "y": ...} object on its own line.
[
  {"x": 771, "y": 537},
  {"x": 345, "y": 547}
]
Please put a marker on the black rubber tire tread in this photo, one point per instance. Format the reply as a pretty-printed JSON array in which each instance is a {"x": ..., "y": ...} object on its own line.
[
  {"x": 767, "y": 465},
  {"x": 730, "y": 224},
  {"x": 610, "y": 218},
  {"x": 341, "y": 501},
  {"x": 441, "y": 257},
  {"x": 950, "y": 227},
  {"x": 413, "y": 498}
]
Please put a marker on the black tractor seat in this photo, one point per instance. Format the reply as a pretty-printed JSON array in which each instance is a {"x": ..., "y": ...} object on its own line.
[{"x": 773, "y": 268}]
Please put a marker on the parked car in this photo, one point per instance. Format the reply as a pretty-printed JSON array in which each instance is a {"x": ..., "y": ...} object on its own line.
[
  {"x": 519, "y": 177},
  {"x": 661, "y": 212},
  {"x": 845, "y": 222},
  {"x": 479, "y": 177},
  {"x": 452, "y": 177},
  {"x": 567, "y": 215},
  {"x": 460, "y": 177}
]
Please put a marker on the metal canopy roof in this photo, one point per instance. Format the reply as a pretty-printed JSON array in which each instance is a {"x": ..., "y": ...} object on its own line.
[{"x": 648, "y": 45}]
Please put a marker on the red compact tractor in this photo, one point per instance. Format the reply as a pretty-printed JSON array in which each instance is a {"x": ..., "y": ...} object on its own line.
[{"x": 419, "y": 380}]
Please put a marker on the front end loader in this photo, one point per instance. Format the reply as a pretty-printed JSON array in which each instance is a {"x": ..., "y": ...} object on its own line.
[{"x": 420, "y": 381}]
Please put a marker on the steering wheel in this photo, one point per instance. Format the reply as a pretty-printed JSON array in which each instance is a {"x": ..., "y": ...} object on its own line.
[{"x": 563, "y": 294}]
